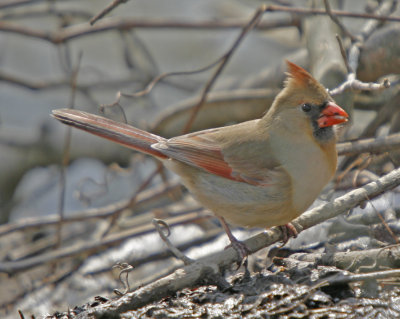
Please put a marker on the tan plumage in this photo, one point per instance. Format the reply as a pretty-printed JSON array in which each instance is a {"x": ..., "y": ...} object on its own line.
[{"x": 260, "y": 173}]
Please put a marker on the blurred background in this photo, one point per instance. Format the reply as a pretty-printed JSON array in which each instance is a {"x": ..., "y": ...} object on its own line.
[{"x": 51, "y": 57}]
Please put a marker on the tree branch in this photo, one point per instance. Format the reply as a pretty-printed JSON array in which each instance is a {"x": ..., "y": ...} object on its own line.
[
  {"x": 370, "y": 145},
  {"x": 203, "y": 270}
]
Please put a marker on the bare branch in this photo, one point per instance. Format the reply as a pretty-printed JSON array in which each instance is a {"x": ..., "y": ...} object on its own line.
[
  {"x": 119, "y": 24},
  {"x": 357, "y": 85},
  {"x": 106, "y": 10},
  {"x": 177, "y": 253},
  {"x": 371, "y": 145},
  {"x": 354, "y": 53},
  {"x": 205, "y": 269},
  {"x": 149, "y": 87},
  {"x": 93, "y": 213},
  {"x": 225, "y": 58},
  {"x": 90, "y": 246},
  {"x": 66, "y": 154},
  {"x": 343, "y": 53},
  {"x": 17, "y": 3},
  {"x": 304, "y": 11},
  {"x": 347, "y": 278},
  {"x": 337, "y": 21},
  {"x": 352, "y": 260},
  {"x": 125, "y": 269}
]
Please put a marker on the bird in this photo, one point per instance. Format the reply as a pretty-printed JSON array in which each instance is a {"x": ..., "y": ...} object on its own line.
[{"x": 259, "y": 173}]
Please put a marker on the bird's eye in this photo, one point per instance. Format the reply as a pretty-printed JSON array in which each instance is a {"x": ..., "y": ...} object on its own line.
[{"x": 306, "y": 107}]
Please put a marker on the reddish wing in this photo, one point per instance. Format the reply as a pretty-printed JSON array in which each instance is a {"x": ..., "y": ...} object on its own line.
[{"x": 203, "y": 151}]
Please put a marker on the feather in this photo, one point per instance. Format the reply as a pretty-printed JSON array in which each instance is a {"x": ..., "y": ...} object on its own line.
[{"x": 205, "y": 151}]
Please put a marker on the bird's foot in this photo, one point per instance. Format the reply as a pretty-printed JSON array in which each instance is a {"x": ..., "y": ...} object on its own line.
[
  {"x": 240, "y": 247},
  {"x": 288, "y": 231},
  {"x": 242, "y": 250}
]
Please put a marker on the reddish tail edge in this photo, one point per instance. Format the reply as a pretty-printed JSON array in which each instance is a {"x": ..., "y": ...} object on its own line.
[{"x": 120, "y": 133}]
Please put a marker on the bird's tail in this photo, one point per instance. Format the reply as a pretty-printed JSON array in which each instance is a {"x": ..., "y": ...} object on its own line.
[{"x": 120, "y": 133}]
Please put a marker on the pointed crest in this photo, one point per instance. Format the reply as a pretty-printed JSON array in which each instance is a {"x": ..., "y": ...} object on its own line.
[{"x": 298, "y": 76}]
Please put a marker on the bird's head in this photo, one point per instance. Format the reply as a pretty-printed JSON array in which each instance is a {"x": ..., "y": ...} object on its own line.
[{"x": 305, "y": 104}]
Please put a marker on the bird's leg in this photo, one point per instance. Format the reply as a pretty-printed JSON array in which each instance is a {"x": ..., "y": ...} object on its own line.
[
  {"x": 288, "y": 231},
  {"x": 239, "y": 246}
]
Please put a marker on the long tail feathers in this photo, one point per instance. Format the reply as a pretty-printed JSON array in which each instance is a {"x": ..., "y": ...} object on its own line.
[{"x": 120, "y": 133}]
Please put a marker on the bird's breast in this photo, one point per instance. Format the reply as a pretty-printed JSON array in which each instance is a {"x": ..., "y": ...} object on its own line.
[{"x": 309, "y": 165}]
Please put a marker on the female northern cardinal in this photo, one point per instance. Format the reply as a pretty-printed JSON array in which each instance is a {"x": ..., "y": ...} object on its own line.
[{"x": 259, "y": 173}]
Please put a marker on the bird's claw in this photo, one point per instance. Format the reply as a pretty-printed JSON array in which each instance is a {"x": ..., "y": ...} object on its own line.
[
  {"x": 288, "y": 231},
  {"x": 241, "y": 249}
]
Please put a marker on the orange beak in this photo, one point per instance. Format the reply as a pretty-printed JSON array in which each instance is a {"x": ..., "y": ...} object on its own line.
[{"x": 332, "y": 114}]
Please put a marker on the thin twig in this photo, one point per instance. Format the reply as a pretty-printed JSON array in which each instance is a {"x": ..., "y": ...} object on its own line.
[
  {"x": 106, "y": 10},
  {"x": 51, "y": 280},
  {"x": 376, "y": 258},
  {"x": 370, "y": 145},
  {"x": 337, "y": 21},
  {"x": 133, "y": 198},
  {"x": 306, "y": 11},
  {"x": 357, "y": 162},
  {"x": 344, "y": 278},
  {"x": 92, "y": 246},
  {"x": 123, "y": 24},
  {"x": 162, "y": 255},
  {"x": 17, "y": 3},
  {"x": 352, "y": 60},
  {"x": 357, "y": 85},
  {"x": 385, "y": 224},
  {"x": 225, "y": 58},
  {"x": 75, "y": 31},
  {"x": 91, "y": 213},
  {"x": 21, "y": 315},
  {"x": 177, "y": 253},
  {"x": 66, "y": 155},
  {"x": 45, "y": 12},
  {"x": 343, "y": 53},
  {"x": 366, "y": 161},
  {"x": 54, "y": 84},
  {"x": 125, "y": 269},
  {"x": 160, "y": 77}
]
